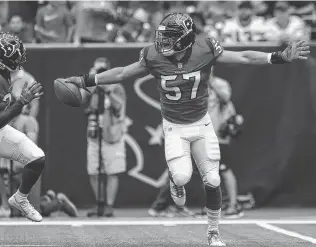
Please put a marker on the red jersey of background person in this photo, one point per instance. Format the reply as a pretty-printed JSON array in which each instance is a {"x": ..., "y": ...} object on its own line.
[{"x": 183, "y": 84}]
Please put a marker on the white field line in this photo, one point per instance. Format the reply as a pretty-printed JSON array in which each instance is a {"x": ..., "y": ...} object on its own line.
[
  {"x": 287, "y": 232},
  {"x": 149, "y": 222},
  {"x": 26, "y": 245}
]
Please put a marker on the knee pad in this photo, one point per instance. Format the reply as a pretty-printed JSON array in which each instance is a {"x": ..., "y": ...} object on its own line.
[
  {"x": 37, "y": 165},
  {"x": 180, "y": 170},
  {"x": 212, "y": 179},
  {"x": 181, "y": 179},
  {"x": 210, "y": 176}
]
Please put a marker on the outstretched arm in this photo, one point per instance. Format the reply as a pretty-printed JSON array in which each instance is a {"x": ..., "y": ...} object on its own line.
[
  {"x": 120, "y": 74},
  {"x": 112, "y": 76},
  {"x": 297, "y": 50}
]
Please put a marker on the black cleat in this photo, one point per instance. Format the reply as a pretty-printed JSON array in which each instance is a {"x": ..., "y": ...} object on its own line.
[{"x": 96, "y": 211}]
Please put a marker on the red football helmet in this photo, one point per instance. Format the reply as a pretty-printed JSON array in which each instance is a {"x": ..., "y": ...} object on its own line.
[
  {"x": 175, "y": 33},
  {"x": 12, "y": 52}
]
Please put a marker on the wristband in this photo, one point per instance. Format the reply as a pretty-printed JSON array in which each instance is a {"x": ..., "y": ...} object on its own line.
[
  {"x": 269, "y": 58},
  {"x": 277, "y": 58},
  {"x": 90, "y": 80},
  {"x": 96, "y": 80}
]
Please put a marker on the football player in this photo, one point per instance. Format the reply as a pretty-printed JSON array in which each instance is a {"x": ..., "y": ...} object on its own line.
[
  {"x": 181, "y": 65},
  {"x": 284, "y": 26},
  {"x": 15, "y": 145},
  {"x": 246, "y": 27}
]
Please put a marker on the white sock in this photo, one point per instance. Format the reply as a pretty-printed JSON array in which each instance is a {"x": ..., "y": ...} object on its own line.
[
  {"x": 213, "y": 217},
  {"x": 20, "y": 196}
]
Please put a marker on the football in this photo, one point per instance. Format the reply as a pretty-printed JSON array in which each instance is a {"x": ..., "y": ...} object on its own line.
[{"x": 67, "y": 93}]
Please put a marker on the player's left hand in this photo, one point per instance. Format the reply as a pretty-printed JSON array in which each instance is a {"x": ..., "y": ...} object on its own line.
[{"x": 295, "y": 50}]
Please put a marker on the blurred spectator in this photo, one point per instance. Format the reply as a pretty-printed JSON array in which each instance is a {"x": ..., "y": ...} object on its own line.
[
  {"x": 23, "y": 30},
  {"x": 18, "y": 79},
  {"x": 202, "y": 28},
  {"x": 54, "y": 23},
  {"x": 246, "y": 27},
  {"x": 4, "y": 9},
  {"x": 51, "y": 203},
  {"x": 285, "y": 27},
  {"x": 260, "y": 8},
  {"x": 106, "y": 120},
  {"x": 136, "y": 29},
  {"x": 304, "y": 9},
  {"x": 26, "y": 9},
  {"x": 215, "y": 11},
  {"x": 96, "y": 21},
  {"x": 307, "y": 11}
]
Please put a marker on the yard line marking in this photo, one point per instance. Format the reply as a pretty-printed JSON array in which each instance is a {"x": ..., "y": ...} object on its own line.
[
  {"x": 24, "y": 245},
  {"x": 148, "y": 222},
  {"x": 287, "y": 232}
]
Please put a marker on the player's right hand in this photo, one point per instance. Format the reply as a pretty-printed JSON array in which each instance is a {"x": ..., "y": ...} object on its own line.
[{"x": 30, "y": 92}]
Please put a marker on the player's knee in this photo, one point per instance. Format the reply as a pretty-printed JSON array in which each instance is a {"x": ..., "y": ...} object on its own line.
[
  {"x": 36, "y": 165},
  {"x": 180, "y": 170},
  {"x": 212, "y": 179},
  {"x": 181, "y": 179}
]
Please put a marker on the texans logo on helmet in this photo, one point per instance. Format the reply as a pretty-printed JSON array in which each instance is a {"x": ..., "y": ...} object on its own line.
[{"x": 7, "y": 47}]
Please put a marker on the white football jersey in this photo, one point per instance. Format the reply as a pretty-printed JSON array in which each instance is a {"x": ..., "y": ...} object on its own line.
[
  {"x": 234, "y": 32},
  {"x": 295, "y": 29}
]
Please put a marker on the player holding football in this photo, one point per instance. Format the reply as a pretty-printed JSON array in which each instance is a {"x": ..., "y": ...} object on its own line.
[
  {"x": 14, "y": 144},
  {"x": 181, "y": 65}
]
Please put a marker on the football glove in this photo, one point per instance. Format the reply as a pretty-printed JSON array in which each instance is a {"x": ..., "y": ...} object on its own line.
[
  {"x": 30, "y": 92},
  {"x": 294, "y": 50}
]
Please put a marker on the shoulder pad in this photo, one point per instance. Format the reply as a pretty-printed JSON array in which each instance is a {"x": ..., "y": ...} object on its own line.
[
  {"x": 214, "y": 45},
  {"x": 143, "y": 56}
]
